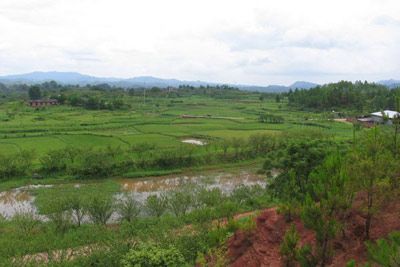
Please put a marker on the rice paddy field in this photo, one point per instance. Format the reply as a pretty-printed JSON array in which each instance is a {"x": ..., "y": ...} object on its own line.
[
  {"x": 159, "y": 121},
  {"x": 63, "y": 206}
]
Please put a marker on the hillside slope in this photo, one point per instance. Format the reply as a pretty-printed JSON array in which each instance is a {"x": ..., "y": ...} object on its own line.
[{"x": 261, "y": 247}]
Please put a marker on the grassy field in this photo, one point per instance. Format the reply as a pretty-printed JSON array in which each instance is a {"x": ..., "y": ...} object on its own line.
[
  {"x": 158, "y": 122},
  {"x": 150, "y": 137}
]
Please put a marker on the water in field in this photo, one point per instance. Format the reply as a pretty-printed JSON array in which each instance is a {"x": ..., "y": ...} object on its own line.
[
  {"x": 15, "y": 201},
  {"x": 194, "y": 142},
  {"x": 21, "y": 200},
  {"x": 226, "y": 182}
]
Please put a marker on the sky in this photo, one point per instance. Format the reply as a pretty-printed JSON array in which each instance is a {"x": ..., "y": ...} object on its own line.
[{"x": 257, "y": 42}]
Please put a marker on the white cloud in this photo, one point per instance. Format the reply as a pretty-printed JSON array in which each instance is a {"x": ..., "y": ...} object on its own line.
[{"x": 252, "y": 41}]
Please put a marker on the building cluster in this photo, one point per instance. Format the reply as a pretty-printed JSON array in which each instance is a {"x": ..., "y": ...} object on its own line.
[
  {"x": 380, "y": 117},
  {"x": 42, "y": 102}
]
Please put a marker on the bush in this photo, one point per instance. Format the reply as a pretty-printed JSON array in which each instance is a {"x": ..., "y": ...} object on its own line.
[
  {"x": 95, "y": 163},
  {"x": 288, "y": 248},
  {"x": 148, "y": 255},
  {"x": 61, "y": 220},
  {"x": 156, "y": 205},
  {"x": 128, "y": 208},
  {"x": 385, "y": 253},
  {"x": 227, "y": 209},
  {"x": 190, "y": 245},
  {"x": 109, "y": 255},
  {"x": 289, "y": 210},
  {"x": 100, "y": 209},
  {"x": 59, "y": 213},
  {"x": 180, "y": 201},
  {"x": 209, "y": 197},
  {"x": 247, "y": 196},
  {"x": 18, "y": 164},
  {"x": 26, "y": 222},
  {"x": 77, "y": 207},
  {"x": 306, "y": 257},
  {"x": 54, "y": 161}
]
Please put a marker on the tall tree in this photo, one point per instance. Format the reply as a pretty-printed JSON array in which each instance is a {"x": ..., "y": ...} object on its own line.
[
  {"x": 370, "y": 164},
  {"x": 330, "y": 195},
  {"x": 34, "y": 92}
]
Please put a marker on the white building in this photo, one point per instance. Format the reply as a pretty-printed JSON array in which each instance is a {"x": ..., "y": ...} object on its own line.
[{"x": 385, "y": 116}]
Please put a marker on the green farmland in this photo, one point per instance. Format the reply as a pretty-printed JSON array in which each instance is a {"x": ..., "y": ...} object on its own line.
[
  {"x": 158, "y": 121},
  {"x": 111, "y": 178}
]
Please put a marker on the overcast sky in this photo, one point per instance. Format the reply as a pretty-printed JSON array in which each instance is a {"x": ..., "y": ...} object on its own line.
[{"x": 249, "y": 41}]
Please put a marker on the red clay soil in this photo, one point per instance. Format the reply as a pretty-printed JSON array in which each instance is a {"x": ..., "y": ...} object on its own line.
[{"x": 261, "y": 247}]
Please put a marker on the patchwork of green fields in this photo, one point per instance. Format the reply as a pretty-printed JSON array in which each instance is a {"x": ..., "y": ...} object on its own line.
[{"x": 158, "y": 122}]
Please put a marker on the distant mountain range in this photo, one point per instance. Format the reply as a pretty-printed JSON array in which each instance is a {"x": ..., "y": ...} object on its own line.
[
  {"x": 390, "y": 83},
  {"x": 141, "y": 81},
  {"x": 149, "y": 81}
]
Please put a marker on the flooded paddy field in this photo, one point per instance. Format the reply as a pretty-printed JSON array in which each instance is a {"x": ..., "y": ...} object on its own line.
[{"x": 29, "y": 199}]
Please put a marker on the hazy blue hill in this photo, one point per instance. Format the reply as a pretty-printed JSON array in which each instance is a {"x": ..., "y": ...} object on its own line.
[
  {"x": 140, "y": 81},
  {"x": 266, "y": 89},
  {"x": 61, "y": 77},
  {"x": 390, "y": 83},
  {"x": 302, "y": 85},
  {"x": 77, "y": 78}
]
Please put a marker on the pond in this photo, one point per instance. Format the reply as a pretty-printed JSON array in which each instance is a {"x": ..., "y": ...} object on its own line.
[
  {"x": 194, "y": 142},
  {"x": 22, "y": 200},
  {"x": 19, "y": 200},
  {"x": 226, "y": 182}
]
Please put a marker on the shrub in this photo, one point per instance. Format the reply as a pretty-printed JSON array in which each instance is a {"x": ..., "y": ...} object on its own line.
[
  {"x": 288, "y": 248},
  {"x": 246, "y": 196},
  {"x": 227, "y": 209},
  {"x": 54, "y": 161},
  {"x": 148, "y": 255},
  {"x": 209, "y": 198},
  {"x": 306, "y": 257},
  {"x": 202, "y": 216},
  {"x": 156, "y": 205},
  {"x": 100, "y": 209},
  {"x": 95, "y": 163},
  {"x": 26, "y": 222},
  {"x": 128, "y": 208},
  {"x": 190, "y": 245},
  {"x": 107, "y": 256},
  {"x": 180, "y": 201},
  {"x": 289, "y": 210},
  {"x": 385, "y": 253},
  {"x": 77, "y": 208},
  {"x": 18, "y": 164},
  {"x": 61, "y": 220}
]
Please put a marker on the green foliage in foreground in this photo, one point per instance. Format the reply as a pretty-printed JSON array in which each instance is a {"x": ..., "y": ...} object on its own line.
[
  {"x": 147, "y": 255},
  {"x": 385, "y": 252},
  {"x": 324, "y": 193},
  {"x": 288, "y": 248},
  {"x": 190, "y": 232}
]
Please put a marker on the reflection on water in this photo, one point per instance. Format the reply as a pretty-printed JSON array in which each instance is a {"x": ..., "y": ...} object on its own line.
[
  {"x": 15, "y": 201},
  {"x": 18, "y": 200},
  {"x": 12, "y": 198},
  {"x": 226, "y": 182},
  {"x": 21, "y": 201}
]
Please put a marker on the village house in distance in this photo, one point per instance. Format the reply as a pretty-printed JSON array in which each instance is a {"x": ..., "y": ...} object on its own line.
[
  {"x": 381, "y": 117},
  {"x": 43, "y": 102}
]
